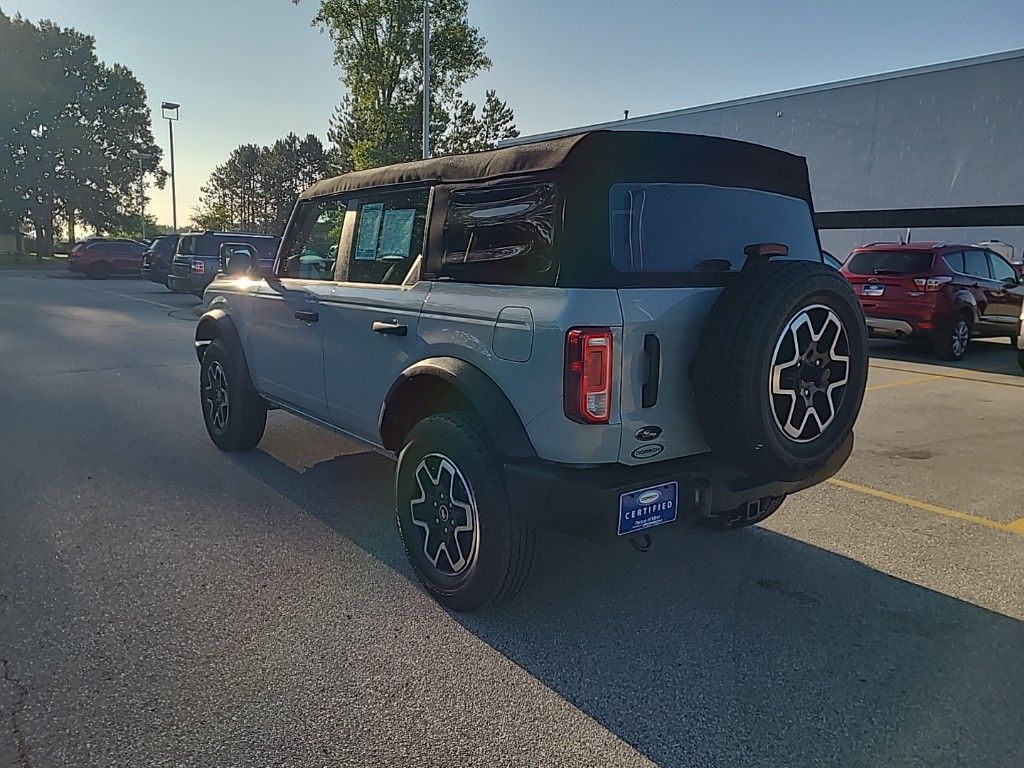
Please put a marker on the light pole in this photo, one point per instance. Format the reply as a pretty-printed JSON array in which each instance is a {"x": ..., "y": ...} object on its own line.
[
  {"x": 170, "y": 113},
  {"x": 426, "y": 79},
  {"x": 142, "y": 188}
]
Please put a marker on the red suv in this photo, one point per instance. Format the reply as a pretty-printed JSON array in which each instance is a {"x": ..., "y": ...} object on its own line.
[
  {"x": 101, "y": 257},
  {"x": 946, "y": 292}
]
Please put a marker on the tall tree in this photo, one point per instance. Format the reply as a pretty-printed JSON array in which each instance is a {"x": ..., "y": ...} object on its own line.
[
  {"x": 255, "y": 188},
  {"x": 378, "y": 45},
  {"x": 70, "y": 131}
]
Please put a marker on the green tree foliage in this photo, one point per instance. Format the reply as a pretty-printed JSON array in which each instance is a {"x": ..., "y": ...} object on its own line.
[
  {"x": 255, "y": 188},
  {"x": 378, "y": 45},
  {"x": 69, "y": 125}
]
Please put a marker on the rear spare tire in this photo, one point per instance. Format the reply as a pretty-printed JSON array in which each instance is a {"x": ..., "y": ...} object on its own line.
[{"x": 780, "y": 369}]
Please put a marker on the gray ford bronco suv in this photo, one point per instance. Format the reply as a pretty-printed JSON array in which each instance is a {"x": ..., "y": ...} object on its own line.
[{"x": 597, "y": 334}]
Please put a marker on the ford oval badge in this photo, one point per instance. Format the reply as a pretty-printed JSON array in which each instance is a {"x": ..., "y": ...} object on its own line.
[
  {"x": 648, "y": 451},
  {"x": 645, "y": 499},
  {"x": 646, "y": 434}
]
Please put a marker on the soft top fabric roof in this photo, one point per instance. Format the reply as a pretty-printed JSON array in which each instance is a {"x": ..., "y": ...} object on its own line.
[{"x": 593, "y": 156}]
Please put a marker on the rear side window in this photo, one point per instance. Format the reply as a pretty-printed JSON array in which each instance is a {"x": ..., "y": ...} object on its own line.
[
  {"x": 500, "y": 235},
  {"x": 889, "y": 262},
  {"x": 703, "y": 228},
  {"x": 955, "y": 261},
  {"x": 976, "y": 264}
]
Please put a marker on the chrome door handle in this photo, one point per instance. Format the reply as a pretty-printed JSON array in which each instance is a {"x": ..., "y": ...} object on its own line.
[{"x": 391, "y": 329}]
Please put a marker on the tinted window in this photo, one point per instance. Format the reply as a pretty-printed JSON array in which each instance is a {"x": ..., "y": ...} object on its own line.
[
  {"x": 831, "y": 260},
  {"x": 955, "y": 261},
  {"x": 976, "y": 264},
  {"x": 1001, "y": 270},
  {"x": 499, "y": 235},
  {"x": 388, "y": 236},
  {"x": 311, "y": 244},
  {"x": 701, "y": 228},
  {"x": 889, "y": 262}
]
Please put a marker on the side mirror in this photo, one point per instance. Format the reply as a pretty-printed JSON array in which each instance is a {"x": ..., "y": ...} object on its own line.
[{"x": 237, "y": 259}]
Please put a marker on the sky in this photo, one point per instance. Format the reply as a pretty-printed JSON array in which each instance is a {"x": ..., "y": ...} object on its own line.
[{"x": 250, "y": 71}]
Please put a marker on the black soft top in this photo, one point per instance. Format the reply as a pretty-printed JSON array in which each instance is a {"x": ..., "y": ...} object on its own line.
[{"x": 599, "y": 157}]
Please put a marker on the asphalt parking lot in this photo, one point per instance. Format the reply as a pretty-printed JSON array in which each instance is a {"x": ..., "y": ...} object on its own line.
[{"x": 163, "y": 604}]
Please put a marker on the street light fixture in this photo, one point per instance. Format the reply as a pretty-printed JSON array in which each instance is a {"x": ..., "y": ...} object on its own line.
[
  {"x": 169, "y": 110},
  {"x": 140, "y": 156}
]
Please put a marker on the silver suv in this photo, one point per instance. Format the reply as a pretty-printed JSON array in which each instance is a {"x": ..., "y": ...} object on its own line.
[{"x": 600, "y": 334}]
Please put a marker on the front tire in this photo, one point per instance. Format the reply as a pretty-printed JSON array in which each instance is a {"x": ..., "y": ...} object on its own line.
[
  {"x": 234, "y": 413},
  {"x": 465, "y": 543}
]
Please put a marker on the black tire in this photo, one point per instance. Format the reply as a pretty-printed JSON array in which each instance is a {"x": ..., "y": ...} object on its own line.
[
  {"x": 746, "y": 339},
  {"x": 487, "y": 562},
  {"x": 1020, "y": 358},
  {"x": 738, "y": 517},
  {"x": 235, "y": 422},
  {"x": 98, "y": 270},
  {"x": 948, "y": 343}
]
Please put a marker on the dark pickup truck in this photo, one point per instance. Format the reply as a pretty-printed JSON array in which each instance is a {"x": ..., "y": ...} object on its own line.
[{"x": 198, "y": 257}]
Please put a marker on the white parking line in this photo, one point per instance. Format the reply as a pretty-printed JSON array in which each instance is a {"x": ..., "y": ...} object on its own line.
[{"x": 134, "y": 298}]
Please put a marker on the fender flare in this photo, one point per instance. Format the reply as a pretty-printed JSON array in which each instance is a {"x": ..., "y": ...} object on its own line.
[
  {"x": 968, "y": 300},
  {"x": 217, "y": 324},
  {"x": 475, "y": 387}
]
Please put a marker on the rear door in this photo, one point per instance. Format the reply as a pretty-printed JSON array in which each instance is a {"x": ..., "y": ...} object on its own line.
[
  {"x": 688, "y": 239},
  {"x": 371, "y": 318},
  {"x": 884, "y": 282},
  {"x": 987, "y": 292}
]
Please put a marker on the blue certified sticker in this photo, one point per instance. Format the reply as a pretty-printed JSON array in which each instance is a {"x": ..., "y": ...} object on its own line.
[{"x": 648, "y": 507}]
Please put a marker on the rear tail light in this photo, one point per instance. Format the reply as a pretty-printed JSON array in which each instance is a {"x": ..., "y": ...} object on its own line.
[
  {"x": 198, "y": 267},
  {"x": 588, "y": 375},
  {"x": 931, "y": 283}
]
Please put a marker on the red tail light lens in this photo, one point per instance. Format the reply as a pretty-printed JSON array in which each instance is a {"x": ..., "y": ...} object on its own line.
[
  {"x": 932, "y": 283},
  {"x": 588, "y": 375},
  {"x": 198, "y": 267}
]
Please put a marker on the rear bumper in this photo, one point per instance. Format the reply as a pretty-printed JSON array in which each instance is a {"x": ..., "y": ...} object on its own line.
[
  {"x": 190, "y": 284},
  {"x": 585, "y": 502},
  {"x": 884, "y": 326}
]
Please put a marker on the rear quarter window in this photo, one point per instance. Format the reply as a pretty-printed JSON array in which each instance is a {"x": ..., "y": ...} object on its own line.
[
  {"x": 889, "y": 262},
  {"x": 701, "y": 228}
]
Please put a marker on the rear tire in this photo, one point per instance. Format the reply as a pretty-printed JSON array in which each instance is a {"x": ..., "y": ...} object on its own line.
[
  {"x": 466, "y": 544},
  {"x": 738, "y": 517},
  {"x": 98, "y": 270},
  {"x": 953, "y": 343},
  {"x": 1020, "y": 358},
  {"x": 234, "y": 413}
]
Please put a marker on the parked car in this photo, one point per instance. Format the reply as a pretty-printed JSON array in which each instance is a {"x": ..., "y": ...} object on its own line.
[
  {"x": 156, "y": 261},
  {"x": 197, "y": 257},
  {"x": 101, "y": 257},
  {"x": 948, "y": 293},
  {"x": 542, "y": 341}
]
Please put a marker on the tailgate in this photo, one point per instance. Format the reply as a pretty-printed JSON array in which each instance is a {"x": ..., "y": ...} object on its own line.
[{"x": 661, "y": 330}]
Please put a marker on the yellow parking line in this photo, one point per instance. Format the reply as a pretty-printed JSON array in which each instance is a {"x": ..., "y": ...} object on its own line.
[
  {"x": 1016, "y": 527},
  {"x": 901, "y": 383}
]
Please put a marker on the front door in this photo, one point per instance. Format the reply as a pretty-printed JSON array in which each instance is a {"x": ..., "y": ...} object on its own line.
[
  {"x": 1005, "y": 305},
  {"x": 287, "y": 332},
  {"x": 371, "y": 320}
]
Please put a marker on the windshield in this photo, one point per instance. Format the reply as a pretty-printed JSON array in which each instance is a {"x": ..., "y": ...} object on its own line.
[
  {"x": 889, "y": 262},
  {"x": 702, "y": 228}
]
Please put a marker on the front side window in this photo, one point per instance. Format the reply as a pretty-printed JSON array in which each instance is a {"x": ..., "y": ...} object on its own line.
[
  {"x": 703, "y": 228},
  {"x": 499, "y": 235},
  {"x": 1001, "y": 270},
  {"x": 310, "y": 248},
  {"x": 388, "y": 236}
]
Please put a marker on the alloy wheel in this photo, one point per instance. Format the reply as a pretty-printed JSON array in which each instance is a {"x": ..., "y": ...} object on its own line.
[
  {"x": 444, "y": 510},
  {"x": 216, "y": 396},
  {"x": 961, "y": 336},
  {"x": 809, "y": 373}
]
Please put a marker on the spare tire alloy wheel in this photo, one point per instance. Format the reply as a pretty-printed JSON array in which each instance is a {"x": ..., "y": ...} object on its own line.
[
  {"x": 810, "y": 372},
  {"x": 445, "y": 513}
]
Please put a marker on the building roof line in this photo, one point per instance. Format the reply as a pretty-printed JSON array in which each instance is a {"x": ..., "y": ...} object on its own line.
[{"x": 988, "y": 58}]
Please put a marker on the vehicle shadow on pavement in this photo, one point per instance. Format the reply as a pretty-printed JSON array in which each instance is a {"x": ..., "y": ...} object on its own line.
[
  {"x": 723, "y": 648},
  {"x": 983, "y": 356}
]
